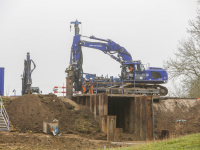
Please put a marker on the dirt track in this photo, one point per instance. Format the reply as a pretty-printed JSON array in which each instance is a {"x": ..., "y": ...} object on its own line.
[{"x": 16, "y": 140}]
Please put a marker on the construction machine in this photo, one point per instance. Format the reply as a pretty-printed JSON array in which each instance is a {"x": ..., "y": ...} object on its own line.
[
  {"x": 134, "y": 77},
  {"x": 26, "y": 78}
]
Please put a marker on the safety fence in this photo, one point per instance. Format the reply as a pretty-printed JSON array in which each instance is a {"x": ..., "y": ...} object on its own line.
[
  {"x": 55, "y": 89},
  {"x": 176, "y": 117}
]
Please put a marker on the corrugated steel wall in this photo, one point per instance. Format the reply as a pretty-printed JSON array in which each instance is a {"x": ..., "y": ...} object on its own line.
[{"x": 2, "y": 81}]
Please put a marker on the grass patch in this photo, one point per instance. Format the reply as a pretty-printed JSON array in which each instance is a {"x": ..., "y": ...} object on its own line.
[
  {"x": 185, "y": 142},
  {"x": 6, "y": 100}
]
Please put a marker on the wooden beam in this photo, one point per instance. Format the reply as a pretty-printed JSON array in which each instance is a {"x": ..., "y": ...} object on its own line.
[
  {"x": 92, "y": 103},
  {"x": 143, "y": 116},
  {"x": 149, "y": 122},
  {"x": 69, "y": 88},
  {"x": 111, "y": 127},
  {"x": 118, "y": 135},
  {"x": 104, "y": 124},
  {"x": 88, "y": 101},
  {"x": 131, "y": 116},
  {"x": 105, "y": 102}
]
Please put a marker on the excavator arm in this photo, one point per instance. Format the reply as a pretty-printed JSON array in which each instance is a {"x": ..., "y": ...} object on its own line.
[
  {"x": 107, "y": 46},
  {"x": 132, "y": 72}
]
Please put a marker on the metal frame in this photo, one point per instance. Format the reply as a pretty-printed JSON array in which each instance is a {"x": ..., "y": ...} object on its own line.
[{"x": 5, "y": 116}]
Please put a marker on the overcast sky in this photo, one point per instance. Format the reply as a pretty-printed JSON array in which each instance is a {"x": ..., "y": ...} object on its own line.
[{"x": 149, "y": 30}]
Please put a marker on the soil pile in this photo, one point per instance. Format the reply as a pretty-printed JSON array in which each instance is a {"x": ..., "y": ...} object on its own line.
[
  {"x": 28, "y": 112},
  {"x": 180, "y": 117}
]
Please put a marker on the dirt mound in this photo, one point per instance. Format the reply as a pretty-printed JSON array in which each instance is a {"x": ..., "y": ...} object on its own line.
[
  {"x": 180, "y": 117},
  {"x": 28, "y": 112}
]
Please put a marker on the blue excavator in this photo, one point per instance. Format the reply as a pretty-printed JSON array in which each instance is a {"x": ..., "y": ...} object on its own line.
[{"x": 133, "y": 76}]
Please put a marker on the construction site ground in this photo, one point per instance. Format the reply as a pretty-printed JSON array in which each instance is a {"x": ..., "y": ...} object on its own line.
[
  {"x": 78, "y": 126},
  {"x": 76, "y": 123}
]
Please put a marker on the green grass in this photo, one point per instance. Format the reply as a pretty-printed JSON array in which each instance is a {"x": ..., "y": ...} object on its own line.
[{"x": 185, "y": 142}]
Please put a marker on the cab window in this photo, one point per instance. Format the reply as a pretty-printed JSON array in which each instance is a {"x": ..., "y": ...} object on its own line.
[
  {"x": 137, "y": 68},
  {"x": 142, "y": 68}
]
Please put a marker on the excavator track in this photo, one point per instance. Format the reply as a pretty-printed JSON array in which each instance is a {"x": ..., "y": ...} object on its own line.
[
  {"x": 163, "y": 90},
  {"x": 130, "y": 88},
  {"x": 150, "y": 89},
  {"x": 140, "y": 89}
]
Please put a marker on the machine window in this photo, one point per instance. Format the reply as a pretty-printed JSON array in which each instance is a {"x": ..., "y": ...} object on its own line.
[
  {"x": 137, "y": 68},
  {"x": 142, "y": 68},
  {"x": 155, "y": 75}
]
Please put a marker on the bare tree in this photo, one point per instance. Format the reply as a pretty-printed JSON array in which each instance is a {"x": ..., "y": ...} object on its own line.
[
  {"x": 186, "y": 65},
  {"x": 194, "y": 30},
  {"x": 194, "y": 89},
  {"x": 177, "y": 90}
]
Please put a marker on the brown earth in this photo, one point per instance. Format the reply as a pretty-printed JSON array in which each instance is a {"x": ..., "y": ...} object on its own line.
[
  {"x": 76, "y": 123},
  {"x": 168, "y": 112},
  {"x": 16, "y": 140},
  {"x": 28, "y": 112}
]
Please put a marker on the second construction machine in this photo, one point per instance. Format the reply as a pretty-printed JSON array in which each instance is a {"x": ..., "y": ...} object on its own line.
[
  {"x": 134, "y": 78},
  {"x": 26, "y": 78}
]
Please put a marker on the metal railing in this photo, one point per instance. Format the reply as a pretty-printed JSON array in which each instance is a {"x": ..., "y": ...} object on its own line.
[
  {"x": 4, "y": 114},
  {"x": 111, "y": 87},
  {"x": 107, "y": 87}
]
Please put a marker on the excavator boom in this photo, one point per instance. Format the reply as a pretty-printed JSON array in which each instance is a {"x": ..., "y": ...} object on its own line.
[{"x": 131, "y": 72}]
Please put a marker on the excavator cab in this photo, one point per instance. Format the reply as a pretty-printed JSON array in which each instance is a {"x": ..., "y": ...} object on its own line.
[
  {"x": 139, "y": 72},
  {"x": 131, "y": 71}
]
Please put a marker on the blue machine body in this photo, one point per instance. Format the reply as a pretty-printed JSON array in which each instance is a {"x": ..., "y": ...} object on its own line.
[
  {"x": 108, "y": 48},
  {"x": 153, "y": 75},
  {"x": 138, "y": 74},
  {"x": 1, "y": 81}
]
